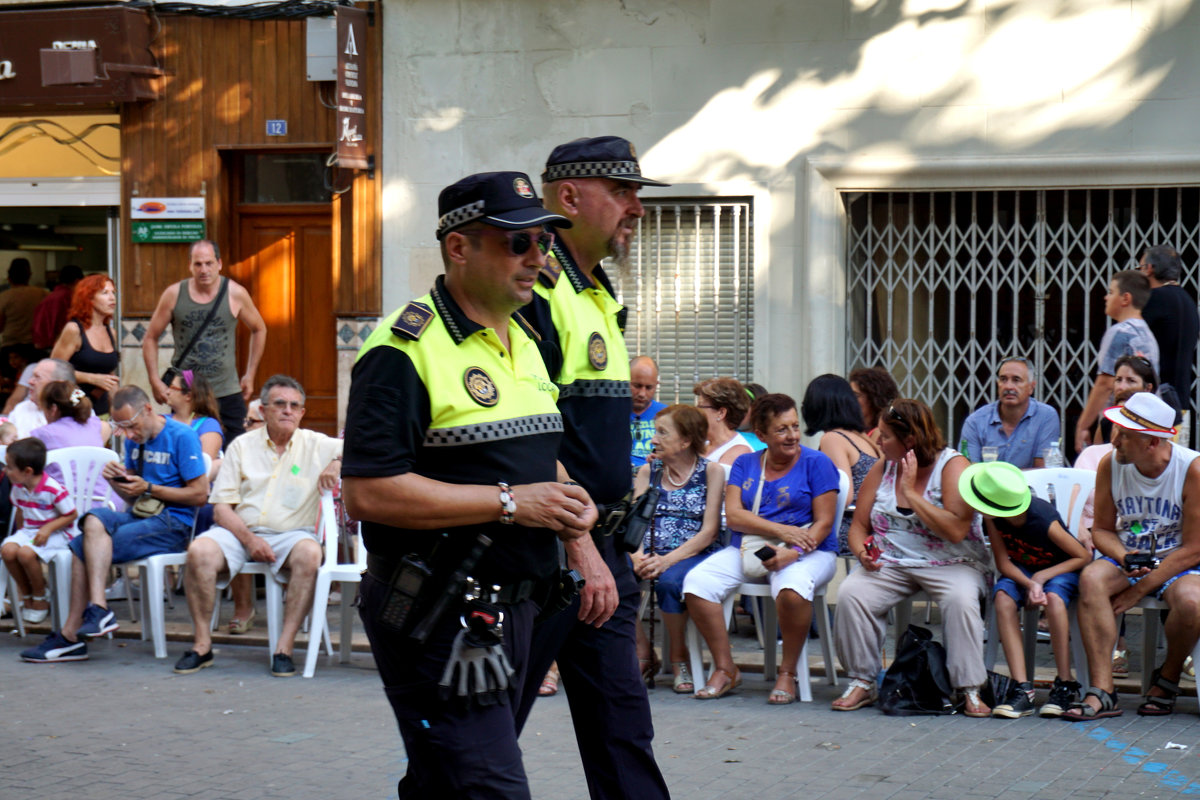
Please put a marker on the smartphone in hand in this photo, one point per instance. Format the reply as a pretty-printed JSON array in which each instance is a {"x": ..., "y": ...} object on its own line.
[
  {"x": 872, "y": 549},
  {"x": 765, "y": 553}
]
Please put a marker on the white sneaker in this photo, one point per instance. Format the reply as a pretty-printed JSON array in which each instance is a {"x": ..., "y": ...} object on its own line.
[{"x": 118, "y": 590}]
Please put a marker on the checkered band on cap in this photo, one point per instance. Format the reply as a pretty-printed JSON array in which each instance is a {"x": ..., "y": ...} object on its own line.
[
  {"x": 461, "y": 215},
  {"x": 590, "y": 169}
]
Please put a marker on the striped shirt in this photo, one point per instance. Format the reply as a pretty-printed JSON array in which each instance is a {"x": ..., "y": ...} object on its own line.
[{"x": 45, "y": 502}]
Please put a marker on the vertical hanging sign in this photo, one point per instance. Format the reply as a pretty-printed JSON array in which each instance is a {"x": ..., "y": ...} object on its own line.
[{"x": 351, "y": 87}]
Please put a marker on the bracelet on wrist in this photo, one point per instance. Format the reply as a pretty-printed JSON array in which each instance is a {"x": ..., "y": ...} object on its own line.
[{"x": 508, "y": 504}]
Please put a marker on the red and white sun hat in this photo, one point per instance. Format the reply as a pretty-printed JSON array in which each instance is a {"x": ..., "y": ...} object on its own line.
[{"x": 1144, "y": 413}]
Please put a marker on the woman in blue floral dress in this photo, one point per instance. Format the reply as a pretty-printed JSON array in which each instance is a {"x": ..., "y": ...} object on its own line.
[{"x": 684, "y": 530}]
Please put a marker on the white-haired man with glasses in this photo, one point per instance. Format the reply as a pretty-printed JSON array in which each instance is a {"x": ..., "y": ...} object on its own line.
[{"x": 1019, "y": 427}]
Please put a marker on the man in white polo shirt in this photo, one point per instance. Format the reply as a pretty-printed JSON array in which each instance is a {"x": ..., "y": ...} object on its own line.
[
  {"x": 1147, "y": 530},
  {"x": 265, "y": 501}
]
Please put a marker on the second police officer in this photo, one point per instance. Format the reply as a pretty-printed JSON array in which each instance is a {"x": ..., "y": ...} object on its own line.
[
  {"x": 594, "y": 183},
  {"x": 451, "y": 439}
]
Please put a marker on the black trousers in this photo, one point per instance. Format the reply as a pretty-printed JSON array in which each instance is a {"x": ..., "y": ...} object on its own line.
[
  {"x": 452, "y": 751},
  {"x": 233, "y": 415},
  {"x": 609, "y": 706}
]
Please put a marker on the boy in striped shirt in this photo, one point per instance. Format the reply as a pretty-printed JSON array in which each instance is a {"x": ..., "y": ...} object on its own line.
[{"x": 45, "y": 514}]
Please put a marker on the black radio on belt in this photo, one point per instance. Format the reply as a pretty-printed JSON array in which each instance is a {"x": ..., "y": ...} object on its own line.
[{"x": 405, "y": 587}]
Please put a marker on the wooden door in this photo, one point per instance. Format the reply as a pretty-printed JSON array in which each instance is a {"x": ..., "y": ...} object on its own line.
[{"x": 286, "y": 263}]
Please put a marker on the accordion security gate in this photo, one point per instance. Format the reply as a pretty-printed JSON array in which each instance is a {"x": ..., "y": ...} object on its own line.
[{"x": 941, "y": 285}]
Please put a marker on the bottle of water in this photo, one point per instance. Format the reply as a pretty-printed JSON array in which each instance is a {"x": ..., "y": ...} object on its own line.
[
  {"x": 1053, "y": 456},
  {"x": 962, "y": 448}
]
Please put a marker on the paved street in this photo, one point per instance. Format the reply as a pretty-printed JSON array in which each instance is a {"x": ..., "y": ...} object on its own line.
[{"x": 122, "y": 725}]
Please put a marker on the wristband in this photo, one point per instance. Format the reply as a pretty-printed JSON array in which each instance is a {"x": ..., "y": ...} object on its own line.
[{"x": 508, "y": 504}]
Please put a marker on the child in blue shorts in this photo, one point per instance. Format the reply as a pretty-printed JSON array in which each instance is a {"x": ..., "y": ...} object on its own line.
[{"x": 1039, "y": 562}]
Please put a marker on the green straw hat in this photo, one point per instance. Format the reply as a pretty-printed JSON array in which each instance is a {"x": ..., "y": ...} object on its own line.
[{"x": 996, "y": 488}]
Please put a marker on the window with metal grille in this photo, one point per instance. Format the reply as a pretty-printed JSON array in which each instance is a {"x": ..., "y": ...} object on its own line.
[
  {"x": 689, "y": 288},
  {"x": 943, "y": 284}
]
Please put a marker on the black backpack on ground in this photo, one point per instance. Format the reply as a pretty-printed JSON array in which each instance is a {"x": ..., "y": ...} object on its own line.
[{"x": 917, "y": 681}]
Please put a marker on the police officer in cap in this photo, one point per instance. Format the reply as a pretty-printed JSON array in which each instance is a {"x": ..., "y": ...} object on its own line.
[
  {"x": 594, "y": 183},
  {"x": 450, "y": 462}
]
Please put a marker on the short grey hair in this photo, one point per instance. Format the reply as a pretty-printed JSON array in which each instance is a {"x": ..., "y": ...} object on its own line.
[
  {"x": 1029, "y": 367},
  {"x": 130, "y": 397},
  {"x": 286, "y": 381}
]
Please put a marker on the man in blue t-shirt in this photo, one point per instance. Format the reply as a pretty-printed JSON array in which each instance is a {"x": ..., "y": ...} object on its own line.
[
  {"x": 163, "y": 462},
  {"x": 643, "y": 383},
  {"x": 1017, "y": 425}
]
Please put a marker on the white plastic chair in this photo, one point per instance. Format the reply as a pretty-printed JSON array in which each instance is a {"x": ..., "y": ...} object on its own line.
[
  {"x": 766, "y": 623},
  {"x": 81, "y": 478},
  {"x": 1150, "y": 634},
  {"x": 1069, "y": 490},
  {"x": 152, "y": 571},
  {"x": 329, "y": 572}
]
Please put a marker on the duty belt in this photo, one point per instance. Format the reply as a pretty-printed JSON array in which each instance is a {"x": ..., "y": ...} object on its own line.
[{"x": 382, "y": 568}]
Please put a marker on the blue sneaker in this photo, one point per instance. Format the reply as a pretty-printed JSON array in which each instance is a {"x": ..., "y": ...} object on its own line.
[
  {"x": 97, "y": 621},
  {"x": 56, "y": 648}
]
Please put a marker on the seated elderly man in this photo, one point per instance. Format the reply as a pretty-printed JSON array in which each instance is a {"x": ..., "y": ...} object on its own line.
[
  {"x": 1147, "y": 529},
  {"x": 27, "y": 414},
  {"x": 265, "y": 502},
  {"x": 164, "y": 463}
]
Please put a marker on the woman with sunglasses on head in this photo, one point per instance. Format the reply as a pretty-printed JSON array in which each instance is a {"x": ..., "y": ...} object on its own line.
[
  {"x": 88, "y": 342},
  {"x": 787, "y": 496},
  {"x": 923, "y": 536}
]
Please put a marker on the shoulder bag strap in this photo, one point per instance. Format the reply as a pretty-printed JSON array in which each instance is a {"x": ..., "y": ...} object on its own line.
[
  {"x": 212, "y": 312},
  {"x": 762, "y": 478},
  {"x": 141, "y": 459}
]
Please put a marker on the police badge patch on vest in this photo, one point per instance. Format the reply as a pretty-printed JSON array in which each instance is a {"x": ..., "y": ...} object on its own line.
[
  {"x": 481, "y": 387},
  {"x": 597, "y": 351}
]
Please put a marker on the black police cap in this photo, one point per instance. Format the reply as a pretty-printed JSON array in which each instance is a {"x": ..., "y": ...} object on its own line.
[
  {"x": 501, "y": 199},
  {"x": 598, "y": 157}
]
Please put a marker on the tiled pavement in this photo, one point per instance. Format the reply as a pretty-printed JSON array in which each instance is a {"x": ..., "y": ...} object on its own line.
[{"x": 122, "y": 726}]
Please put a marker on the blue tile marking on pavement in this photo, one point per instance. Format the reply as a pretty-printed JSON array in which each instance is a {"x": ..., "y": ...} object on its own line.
[{"x": 1171, "y": 778}]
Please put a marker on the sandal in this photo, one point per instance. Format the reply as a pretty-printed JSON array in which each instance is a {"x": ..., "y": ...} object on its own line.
[
  {"x": 549, "y": 686},
  {"x": 710, "y": 692},
  {"x": 1082, "y": 711},
  {"x": 1120, "y": 663},
  {"x": 973, "y": 705},
  {"x": 1155, "y": 705},
  {"x": 683, "y": 678},
  {"x": 871, "y": 696},
  {"x": 649, "y": 668},
  {"x": 782, "y": 697},
  {"x": 237, "y": 625}
]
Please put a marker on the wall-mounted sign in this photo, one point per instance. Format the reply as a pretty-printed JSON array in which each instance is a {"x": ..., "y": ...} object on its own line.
[
  {"x": 166, "y": 208},
  {"x": 163, "y": 231},
  {"x": 277, "y": 127},
  {"x": 351, "y": 87}
]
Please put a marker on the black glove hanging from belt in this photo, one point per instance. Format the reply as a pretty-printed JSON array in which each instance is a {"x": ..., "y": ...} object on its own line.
[{"x": 478, "y": 668}]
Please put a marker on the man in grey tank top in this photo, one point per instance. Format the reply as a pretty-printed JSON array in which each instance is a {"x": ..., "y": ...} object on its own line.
[
  {"x": 185, "y": 305},
  {"x": 1147, "y": 530}
]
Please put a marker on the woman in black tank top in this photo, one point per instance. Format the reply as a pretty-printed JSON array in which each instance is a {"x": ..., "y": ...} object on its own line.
[{"x": 88, "y": 341}]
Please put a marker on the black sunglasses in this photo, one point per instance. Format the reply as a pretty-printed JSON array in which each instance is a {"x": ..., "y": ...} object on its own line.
[
  {"x": 519, "y": 242},
  {"x": 896, "y": 416}
]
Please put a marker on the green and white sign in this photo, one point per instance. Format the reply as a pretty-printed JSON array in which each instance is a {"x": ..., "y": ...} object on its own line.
[{"x": 162, "y": 231}]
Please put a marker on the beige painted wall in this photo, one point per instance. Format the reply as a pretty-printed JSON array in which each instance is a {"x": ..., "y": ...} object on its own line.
[{"x": 790, "y": 100}]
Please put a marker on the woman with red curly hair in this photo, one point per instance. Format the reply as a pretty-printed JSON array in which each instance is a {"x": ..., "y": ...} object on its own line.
[{"x": 88, "y": 341}]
